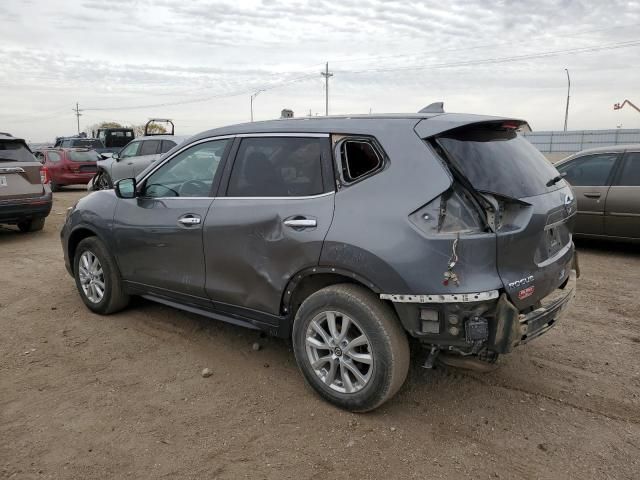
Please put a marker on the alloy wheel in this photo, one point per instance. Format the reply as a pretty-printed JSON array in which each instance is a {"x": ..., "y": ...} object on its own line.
[
  {"x": 91, "y": 276},
  {"x": 339, "y": 352}
]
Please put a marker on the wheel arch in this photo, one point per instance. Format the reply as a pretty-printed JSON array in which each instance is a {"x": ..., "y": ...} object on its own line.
[
  {"x": 77, "y": 235},
  {"x": 310, "y": 280}
]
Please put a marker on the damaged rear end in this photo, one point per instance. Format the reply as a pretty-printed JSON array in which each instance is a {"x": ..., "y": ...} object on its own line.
[{"x": 508, "y": 205}]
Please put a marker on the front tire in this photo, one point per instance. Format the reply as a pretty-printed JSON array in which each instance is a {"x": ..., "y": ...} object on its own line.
[
  {"x": 350, "y": 347},
  {"x": 102, "y": 181},
  {"x": 98, "y": 278}
]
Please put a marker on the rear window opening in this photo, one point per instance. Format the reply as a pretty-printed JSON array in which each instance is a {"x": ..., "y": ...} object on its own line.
[
  {"x": 359, "y": 159},
  {"x": 15, "y": 151},
  {"x": 84, "y": 156},
  {"x": 497, "y": 160}
]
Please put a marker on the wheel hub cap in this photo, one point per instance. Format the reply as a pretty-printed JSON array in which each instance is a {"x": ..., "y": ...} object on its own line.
[{"x": 339, "y": 352}]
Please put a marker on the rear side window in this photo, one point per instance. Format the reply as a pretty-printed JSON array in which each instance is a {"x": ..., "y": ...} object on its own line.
[
  {"x": 167, "y": 145},
  {"x": 53, "y": 157},
  {"x": 84, "y": 142},
  {"x": 631, "y": 171},
  {"x": 84, "y": 156},
  {"x": 149, "y": 147},
  {"x": 359, "y": 158},
  {"x": 590, "y": 170},
  {"x": 15, "y": 151},
  {"x": 277, "y": 167},
  {"x": 498, "y": 160}
]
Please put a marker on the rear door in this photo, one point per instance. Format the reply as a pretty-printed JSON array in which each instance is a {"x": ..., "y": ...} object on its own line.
[
  {"x": 272, "y": 221},
  {"x": 622, "y": 216},
  {"x": 158, "y": 235},
  {"x": 590, "y": 177},
  {"x": 19, "y": 171}
]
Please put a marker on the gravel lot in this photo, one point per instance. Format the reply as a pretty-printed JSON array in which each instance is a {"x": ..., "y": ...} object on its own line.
[{"x": 84, "y": 396}]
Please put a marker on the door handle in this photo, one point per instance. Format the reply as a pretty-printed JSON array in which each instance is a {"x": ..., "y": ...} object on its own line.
[
  {"x": 592, "y": 195},
  {"x": 189, "y": 220},
  {"x": 301, "y": 222}
]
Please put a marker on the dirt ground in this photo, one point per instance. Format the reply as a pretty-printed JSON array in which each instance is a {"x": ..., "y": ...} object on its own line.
[{"x": 84, "y": 396}]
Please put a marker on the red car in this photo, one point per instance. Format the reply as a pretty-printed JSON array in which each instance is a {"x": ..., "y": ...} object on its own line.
[{"x": 68, "y": 166}]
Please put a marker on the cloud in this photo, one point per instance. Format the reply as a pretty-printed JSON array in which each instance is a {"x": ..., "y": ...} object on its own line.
[{"x": 146, "y": 52}]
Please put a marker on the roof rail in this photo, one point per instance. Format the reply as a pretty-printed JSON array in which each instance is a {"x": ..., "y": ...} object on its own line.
[{"x": 436, "y": 107}]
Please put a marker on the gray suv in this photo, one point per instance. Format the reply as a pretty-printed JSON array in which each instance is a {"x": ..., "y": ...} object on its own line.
[{"x": 349, "y": 235}]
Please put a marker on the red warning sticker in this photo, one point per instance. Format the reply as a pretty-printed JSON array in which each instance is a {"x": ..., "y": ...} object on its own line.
[{"x": 526, "y": 292}]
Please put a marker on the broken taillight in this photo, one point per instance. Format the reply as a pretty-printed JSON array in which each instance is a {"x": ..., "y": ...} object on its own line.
[
  {"x": 44, "y": 175},
  {"x": 451, "y": 212}
]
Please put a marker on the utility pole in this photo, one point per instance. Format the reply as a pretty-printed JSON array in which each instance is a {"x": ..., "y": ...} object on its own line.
[
  {"x": 326, "y": 76},
  {"x": 78, "y": 115},
  {"x": 566, "y": 112},
  {"x": 252, "y": 97}
]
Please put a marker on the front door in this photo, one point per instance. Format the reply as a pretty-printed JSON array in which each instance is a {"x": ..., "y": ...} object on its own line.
[
  {"x": 122, "y": 167},
  {"x": 622, "y": 218},
  {"x": 272, "y": 221},
  {"x": 589, "y": 177},
  {"x": 158, "y": 235}
]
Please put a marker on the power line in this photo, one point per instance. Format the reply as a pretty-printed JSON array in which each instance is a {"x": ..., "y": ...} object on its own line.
[{"x": 516, "y": 58}]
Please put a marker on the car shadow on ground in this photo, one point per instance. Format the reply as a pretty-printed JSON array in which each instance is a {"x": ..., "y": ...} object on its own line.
[{"x": 588, "y": 245}]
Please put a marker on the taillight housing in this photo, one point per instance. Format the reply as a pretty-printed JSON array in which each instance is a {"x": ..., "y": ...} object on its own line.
[
  {"x": 453, "y": 212},
  {"x": 44, "y": 175}
]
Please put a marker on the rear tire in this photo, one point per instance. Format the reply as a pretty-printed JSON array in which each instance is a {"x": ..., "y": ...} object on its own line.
[
  {"x": 98, "y": 278},
  {"x": 33, "y": 225},
  {"x": 362, "y": 367}
]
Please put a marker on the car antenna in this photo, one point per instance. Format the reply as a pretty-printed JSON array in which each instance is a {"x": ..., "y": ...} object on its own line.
[{"x": 436, "y": 107}]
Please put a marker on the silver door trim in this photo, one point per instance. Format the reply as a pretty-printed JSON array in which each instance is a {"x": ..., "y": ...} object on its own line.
[
  {"x": 283, "y": 134},
  {"x": 307, "y": 197}
]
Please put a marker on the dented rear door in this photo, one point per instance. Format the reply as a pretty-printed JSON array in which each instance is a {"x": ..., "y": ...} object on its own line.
[{"x": 272, "y": 220}]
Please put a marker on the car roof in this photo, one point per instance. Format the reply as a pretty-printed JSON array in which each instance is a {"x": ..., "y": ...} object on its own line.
[
  {"x": 353, "y": 124},
  {"x": 8, "y": 136},
  {"x": 177, "y": 138},
  {"x": 609, "y": 149}
]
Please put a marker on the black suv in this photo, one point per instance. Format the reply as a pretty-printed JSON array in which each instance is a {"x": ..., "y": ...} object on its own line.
[{"x": 348, "y": 235}]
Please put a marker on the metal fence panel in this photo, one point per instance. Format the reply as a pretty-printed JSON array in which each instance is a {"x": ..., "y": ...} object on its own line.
[{"x": 576, "y": 140}]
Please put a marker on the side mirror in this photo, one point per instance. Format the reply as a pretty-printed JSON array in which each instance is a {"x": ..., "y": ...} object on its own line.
[
  {"x": 115, "y": 156},
  {"x": 125, "y": 188}
]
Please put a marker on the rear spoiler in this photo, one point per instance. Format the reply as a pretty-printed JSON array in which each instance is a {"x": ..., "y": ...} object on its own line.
[{"x": 438, "y": 124}]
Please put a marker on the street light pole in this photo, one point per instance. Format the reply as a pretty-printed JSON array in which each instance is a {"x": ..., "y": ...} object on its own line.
[
  {"x": 252, "y": 97},
  {"x": 566, "y": 111}
]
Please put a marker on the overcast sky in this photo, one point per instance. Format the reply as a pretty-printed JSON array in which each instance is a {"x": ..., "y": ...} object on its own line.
[{"x": 198, "y": 61}]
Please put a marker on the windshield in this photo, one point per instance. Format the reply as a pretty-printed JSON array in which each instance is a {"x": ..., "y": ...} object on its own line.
[
  {"x": 84, "y": 156},
  {"x": 497, "y": 160},
  {"x": 15, "y": 151},
  {"x": 86, "y": 142}
]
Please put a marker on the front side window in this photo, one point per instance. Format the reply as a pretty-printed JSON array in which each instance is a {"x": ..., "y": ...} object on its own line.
[
  {"x": 188, "y": 174},
  {"x": 590, "y": 170},
  {"x": 149, "y": 147},
  {"x": 277, "y": 167},
  {"x": 631, "y": 171},
  {"x": 130, "y": 150}
]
